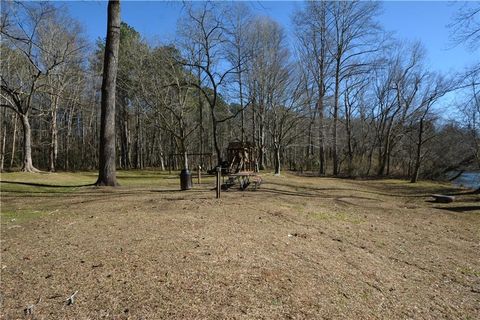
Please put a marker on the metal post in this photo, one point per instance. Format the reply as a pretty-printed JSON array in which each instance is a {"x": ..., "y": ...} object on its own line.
[
  {"x": 199, "y": 174},
  {"x": 219, "y": 175}
]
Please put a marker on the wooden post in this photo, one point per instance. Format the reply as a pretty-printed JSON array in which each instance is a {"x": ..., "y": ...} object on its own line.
[
  {"x": 219, "y": 175},
  {"x": 199, "y": 177}
]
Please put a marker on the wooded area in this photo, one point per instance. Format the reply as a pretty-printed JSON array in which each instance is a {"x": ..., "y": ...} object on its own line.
[{"x": 344, "y": 98}]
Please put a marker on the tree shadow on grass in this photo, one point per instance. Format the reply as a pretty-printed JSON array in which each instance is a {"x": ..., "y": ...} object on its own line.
[
  {"x": 361, "y": 189},
  {"x": 341, "y": 199},
  {"x": 146, "y": 177},
  {"x": 460, "y": 208},
  {"x": 93, "y": 191},
  {"x": 33, "y": 184},
  {"x": 287, "y": 193},
  {"x": 398, "y": 190},
  {"x": 178, "y": 190}
]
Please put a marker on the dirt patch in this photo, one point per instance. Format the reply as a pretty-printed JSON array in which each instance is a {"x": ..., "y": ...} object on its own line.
[{"x": 297, "y": 248}]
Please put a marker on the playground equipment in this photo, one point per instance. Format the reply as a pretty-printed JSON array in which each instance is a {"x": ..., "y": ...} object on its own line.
[{"x": 240, "y": 168}]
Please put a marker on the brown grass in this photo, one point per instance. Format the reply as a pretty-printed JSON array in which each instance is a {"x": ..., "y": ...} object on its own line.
[{"x": 298, "y": 248}]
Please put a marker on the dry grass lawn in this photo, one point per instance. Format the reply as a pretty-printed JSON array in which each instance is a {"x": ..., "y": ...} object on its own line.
[{"x": 297, "y": 248}]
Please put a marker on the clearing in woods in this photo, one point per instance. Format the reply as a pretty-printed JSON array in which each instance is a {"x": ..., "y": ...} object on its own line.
[{"x": 299, "y": 247}]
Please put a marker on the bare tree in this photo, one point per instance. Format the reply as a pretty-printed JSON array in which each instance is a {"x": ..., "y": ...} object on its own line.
[
  {"x": 61, "y": 36},
  {"x": 355, "y": 34},
  {"x": 435, "y": 87},
  {"x": 396, "y": 89},
  {"x": 3, "y": 129},
  {"x": 276, "y": 85},
  {"x": 354, "y": 98},
  {"x": 470, "y": 109},
  {"x": 204, "y": 39},
  {"x": 313, "y": 25},
  {"x": 238, "y": 51},
  {"x": 465, "y": 25},
  {"x": 170, "y": 97},
  {"x": 285, "y": 113},
  {"x": 26, "y": 67},
  {"x": 269, "y": 57}
]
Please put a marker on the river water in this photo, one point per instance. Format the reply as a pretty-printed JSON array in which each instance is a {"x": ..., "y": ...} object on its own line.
[{"x": 468, "y": 180}]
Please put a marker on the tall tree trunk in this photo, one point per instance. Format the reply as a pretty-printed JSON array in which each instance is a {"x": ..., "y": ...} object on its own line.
[
  {"x": 370, "y": 158},
  {"x": 53, "y": 137},
  {"x": 321, "y": 136},
  {"x": 200, "y": 110},
  {"x": 277, "y": 159},
  {"x": 253, "y": 132},
  {"x": 389, "y": 158},
  {"x": 4, "y": 140},
  {"x": 383, "y": 156},
  {"x": 185, "y": 160},
  {"x": 321, "y": 87},
  {"x": 382, "y": 160},
  {"x": 125, "y": 137},
  {"x": 27, "y": 165},
  {"x": 138, "y": 139},
  {"x": 335, "y": 117},
  {"x": 348, "y": 127},
  {"x": 68, "y": 136},
  {"x": 160, "y": 150},
  {"x": 14, "y": 140},
  {"x": 418, "y": 155},
  {"x": 309, "y": 149},
  {"x": 202, "y": 145},
  {"x": 215, "y": 138},
  {"x": 350, "y": 152},
  {"x": 107, "y": 171},
  {"x": 261, "y": 141},
  {"x": 242, "y": 116},
  {"x": 162, "y": 161}
]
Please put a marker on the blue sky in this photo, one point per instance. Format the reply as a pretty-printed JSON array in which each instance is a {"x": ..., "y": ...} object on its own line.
[{"x": 411, "y": 20}]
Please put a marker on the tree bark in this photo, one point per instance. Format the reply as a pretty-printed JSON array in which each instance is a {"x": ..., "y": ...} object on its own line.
[
  {"x": 240, "y": 88},
  {"x": 107, "y": 170},
  {"x": 335, "y": 117},
  {"x": 185, "y": 160},
  {"x": 321, "y": 136},
  {"x": 383, "y": 157},
  {"x": 309, "y": 149},
  {"x": 277, "y": 160},
  {"x": 27, "y": 165},
  {"x": 14, "y": 140},
  {"x": 418, "y": 155},
  {"x": 67, "y": 139},
  {"x": 4, "y": 141},
  {"x": 348, "y": 132},
  {"x": 200, "y": 111},
  {"x": 253, "y": 131},
  {"x": 125, "y": 138},
  {"x": 261, "y": 141},
  {"x": 138, "y": 141},
  {"x": 215, "y": 138},
  {"x": 53, "y": 137}
]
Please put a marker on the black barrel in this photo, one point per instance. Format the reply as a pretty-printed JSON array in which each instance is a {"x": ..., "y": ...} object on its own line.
[{"x": 185, "y": 180}]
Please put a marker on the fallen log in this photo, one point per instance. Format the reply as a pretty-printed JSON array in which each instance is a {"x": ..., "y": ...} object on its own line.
[{"x": 443, "y": 198}]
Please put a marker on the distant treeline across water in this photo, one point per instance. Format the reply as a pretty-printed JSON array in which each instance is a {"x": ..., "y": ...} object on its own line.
[{"x": 468, "y": 180}]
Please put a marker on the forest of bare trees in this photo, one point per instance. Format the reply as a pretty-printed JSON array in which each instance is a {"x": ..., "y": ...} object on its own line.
[{"x": 339, "y": 96}]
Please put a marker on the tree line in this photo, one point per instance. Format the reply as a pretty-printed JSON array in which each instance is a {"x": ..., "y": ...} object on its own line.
[{"x": 336, "y": 96}]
